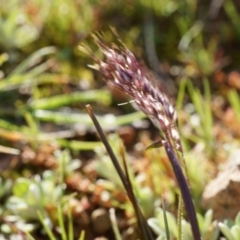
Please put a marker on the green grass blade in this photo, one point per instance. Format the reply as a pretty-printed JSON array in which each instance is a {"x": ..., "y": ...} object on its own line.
[
  {"x": 82, "y": 235},
  {"x": 32, "y": 123},
  {"x": 61, "y": 223},
  {"x": 76, "y": 97},
  {"x": 29, "y": 236},
  {"x": 78, "y": 145},
  {"x": 70, "y": 225},
  {"x": 231, "y": 10},
  {"x": 179, "y": 219},
  {"x": 181, "y": 93},
  {"x": 165, "y": 221},
  {"x": 32, "y": 59},
  {"x": 226, "y": 231},
  {"x": 208, "y": 111},
  {"x": 110, "y": 121},
  {"x": 234, "y": 100},
  {"x": 46, "y": 228},
  {"x": 114, "y": 224}
]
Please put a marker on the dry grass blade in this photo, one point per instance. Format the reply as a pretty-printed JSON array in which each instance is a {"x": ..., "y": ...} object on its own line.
[
  {"x": 143, "y": 226},
  {"x": 141, "y": 220}
]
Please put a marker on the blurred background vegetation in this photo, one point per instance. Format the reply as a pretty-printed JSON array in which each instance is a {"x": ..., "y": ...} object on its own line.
[{"x": 55, "y": 176}]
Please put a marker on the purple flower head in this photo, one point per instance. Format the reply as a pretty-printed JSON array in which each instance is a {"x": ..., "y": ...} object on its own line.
[{"x": 121, "y": 69}]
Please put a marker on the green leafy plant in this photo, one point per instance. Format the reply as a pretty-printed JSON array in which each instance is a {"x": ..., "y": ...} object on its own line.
[
  {"x": 5, "y": 186},
  {"x": 26, "y": 73},
  {"x": 65, "y": 234},
  {"x": 209, "y": 228},
  {"x": 15, "y": 34},
  {"x": 200, "y": 115},
  {"x": 231, "y": 229},
  {"x": 38, "y": 194},
  {"x": 200, "y": 61},
  {"x": 41, "y": 197},
  {"x": 105, "y": 169},
  {"x": 232, "y": 13}
]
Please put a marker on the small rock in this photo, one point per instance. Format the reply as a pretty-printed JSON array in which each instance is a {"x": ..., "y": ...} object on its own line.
[{"x": 100, "y": 220}]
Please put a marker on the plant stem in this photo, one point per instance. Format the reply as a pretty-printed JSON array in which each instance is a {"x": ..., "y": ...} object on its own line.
[{"x": 186, "y": 195}]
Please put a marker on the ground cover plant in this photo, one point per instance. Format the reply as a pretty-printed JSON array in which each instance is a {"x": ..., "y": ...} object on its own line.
[{"x": 79, "y": 157}]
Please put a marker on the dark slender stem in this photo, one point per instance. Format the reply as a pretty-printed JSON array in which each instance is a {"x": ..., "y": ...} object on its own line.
[
  {"x": 107, "y": 146},
  {"x": 186, "y": 195},
  {"x": 142, "y": 222},
  {"x": 146, "y": 233}
]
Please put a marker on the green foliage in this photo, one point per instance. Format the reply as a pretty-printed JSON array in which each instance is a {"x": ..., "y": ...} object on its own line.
[
  {"x": 197, "y": 181},
  {"x": 158, "y": 223},
  {"x": 231, "y": 229},
  {"x": 234, "y": 99},
  {"x": 30, "y": 196},
  {"x": 27, "y": 72},
  {"x": 163, "y": 8},
  {"x": 208, "y": 227},
  {"x": 44, "y": 80},
  {"x": 16, "y": 29},
  {"x": 41, "y": 197},
  {"x": 65, "y": 235},
  {"x": 5, "y": 186},
  {"x": 69, "y": 21},
  {"x": 199, "y": 60},
  {"x": 105, "y": 169},
  {"x": 200, "y": 114},
  {"x": 101, "y": 96},
  {"x": 231, "y": 11}
]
